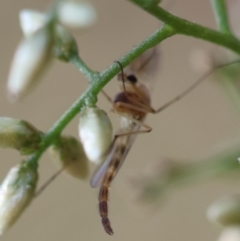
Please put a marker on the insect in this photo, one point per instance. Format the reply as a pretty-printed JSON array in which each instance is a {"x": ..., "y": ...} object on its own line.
[{"x": 132, "y": 104}]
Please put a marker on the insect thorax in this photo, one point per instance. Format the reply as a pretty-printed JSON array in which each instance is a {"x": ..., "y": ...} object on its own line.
[{"x": 130, "y": 104}]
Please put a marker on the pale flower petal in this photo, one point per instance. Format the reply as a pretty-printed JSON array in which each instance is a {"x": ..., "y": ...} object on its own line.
[
  {"x": 74, "y": 14},
  {"x": 16, "y": 193},
  {"x": 225, "y": 212},
  {"x": 30, "y": 61},
  {"x": 31, "y": 21},
  {"x": 68, "y": 153},
  {"x": 95, "y": 132},
  {"x": 230, "y": 234}
]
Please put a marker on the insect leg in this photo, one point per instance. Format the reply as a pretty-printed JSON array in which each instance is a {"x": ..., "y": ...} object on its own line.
[
  {"x": 107, "y": 97},
  {"x": 49, "y": 181},
  {"x": 193, "y": 86}
]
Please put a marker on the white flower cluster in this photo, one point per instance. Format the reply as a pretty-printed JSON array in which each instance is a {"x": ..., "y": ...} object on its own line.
[{"x": 42, "y": 32}]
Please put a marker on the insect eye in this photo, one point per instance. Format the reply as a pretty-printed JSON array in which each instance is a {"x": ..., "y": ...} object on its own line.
[{"x": 132, "y": 78}]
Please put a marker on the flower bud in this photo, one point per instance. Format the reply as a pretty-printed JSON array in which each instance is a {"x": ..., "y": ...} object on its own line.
[
  {"x": 76, "y": 14},
  {"x": 65, "y": 46},
  {"x": 20, "y": 135},
  {"x": 225, "y": 212},
  {"x": 16, "y": 193},
  {"x": 230, "y": 234},
  {"x": 95, "y": 132},
  {"x": 31, "y": 21},
  {"x": 30, "y": 61},
  {"x": 68, "y": 152}
]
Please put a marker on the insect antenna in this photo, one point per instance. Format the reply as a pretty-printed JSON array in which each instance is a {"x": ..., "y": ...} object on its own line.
[{"x": 122, "y": 76}]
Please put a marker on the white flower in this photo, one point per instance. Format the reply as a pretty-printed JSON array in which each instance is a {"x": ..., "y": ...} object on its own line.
[
  {"x": 77, "y": 14},
  {"x": 230, "y": 234},
  {"x": 30, "y": 61},
  {"x": 225, "y": 212},
  {"x": 68, "y": 153},
  {"x": 19, "y": 135},
  {"x": 65, "y": 45},
  {"x": 16, "y": 193},
  {"x": 31, "y": 21}
]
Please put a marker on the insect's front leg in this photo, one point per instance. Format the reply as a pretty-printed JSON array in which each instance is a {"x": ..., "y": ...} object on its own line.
[{"x": 107, "y": 97}]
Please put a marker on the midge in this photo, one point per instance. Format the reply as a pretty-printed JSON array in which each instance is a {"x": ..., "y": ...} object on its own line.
[{"x": 132, "y": 104}]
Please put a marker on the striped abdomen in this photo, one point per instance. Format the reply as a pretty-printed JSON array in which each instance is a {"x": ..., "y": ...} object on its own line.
[{"x": 121, "y": 151}]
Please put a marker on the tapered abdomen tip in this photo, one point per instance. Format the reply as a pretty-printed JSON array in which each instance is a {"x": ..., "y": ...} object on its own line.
[{"x": 107, "y": 226}]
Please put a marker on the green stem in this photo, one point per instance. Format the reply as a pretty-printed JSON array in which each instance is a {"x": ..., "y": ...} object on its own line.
[
  {"x": 83, "y": 67},
  {"x": 217, "y": 166},
  {"x": 232, "y": 90},
  {"x": 220, "y": 12},
  {"x": 185, "y": 27},
  {"x": 97, "y": 83},
  {"x": 223, "y": 164}
]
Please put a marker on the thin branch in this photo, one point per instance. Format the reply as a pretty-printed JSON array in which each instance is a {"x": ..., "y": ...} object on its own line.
[
  {"x": 83, "y": 67},
  {"x": 223, "y": 164},
  {"x": 232, "y": 91},
  {"x": 185, "y": 27},
  {"x": 221, "y": 16}
]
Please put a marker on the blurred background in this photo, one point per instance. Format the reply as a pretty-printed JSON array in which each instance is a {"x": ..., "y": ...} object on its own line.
[{"x": 203, "y": 123}]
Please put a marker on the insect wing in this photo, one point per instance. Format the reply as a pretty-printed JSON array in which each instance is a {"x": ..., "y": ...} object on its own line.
[
  {"x": 100, "y": 172},
  {"x": 145, "y": 67}
]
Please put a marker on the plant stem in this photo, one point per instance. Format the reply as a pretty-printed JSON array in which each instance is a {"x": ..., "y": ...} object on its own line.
[
  {"x": 83, "y": 67},
  {"x": 185, "y": 27},
  {"x": 221, "y": 16},
  {"x": 187, "y": 173},
  {"x": 221, "y": 164},
  {"x": 231, "y": 89}
]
